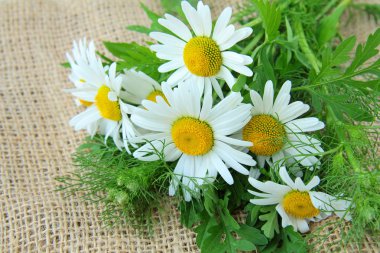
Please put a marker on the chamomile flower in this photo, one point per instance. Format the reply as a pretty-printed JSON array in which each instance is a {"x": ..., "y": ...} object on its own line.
[
  {"x": 203, "y": 56},
  {"x": 275, "y": 131},
  {"x": 296, "y": 203},
  {"x": 194, "y": 133},
  {"x": 108, "y": 113},
  {"x": 85, "y": 66},
  {"x": 138, "y": 86}
]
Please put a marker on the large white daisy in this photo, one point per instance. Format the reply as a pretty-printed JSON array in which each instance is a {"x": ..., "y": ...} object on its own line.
[
  {"x": 296, "y": 203},
  {"x": 202, "y": 56},
  {"x": 107, "y": 113},
  {"x": 275, "y": 131},
  {"x": 194, "y": 133}
]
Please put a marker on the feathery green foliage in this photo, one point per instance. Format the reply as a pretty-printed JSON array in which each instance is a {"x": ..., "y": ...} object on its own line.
[{"x": 127, "y": 189}]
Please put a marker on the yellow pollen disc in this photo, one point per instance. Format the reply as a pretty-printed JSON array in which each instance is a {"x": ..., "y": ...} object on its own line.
[
  {"x": 266, "y": 133},
  {"x": 192, "y": 136},
  {"x": 82, "y": 80},
  {"x": 202, "y": 56},
  {"x": 153, "y": 96},
  {"x": 85, "y": 103},
  {"x": 108, "y": 109},
  {"x": 299, "y": 205}
]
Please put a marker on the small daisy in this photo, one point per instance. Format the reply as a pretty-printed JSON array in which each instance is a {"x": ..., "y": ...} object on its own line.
[
  {"x": 138, "y": 86},
  {"x": 204, "y": 56},
  {"x": 85, "y": 66},
  {"x": 276, "y": 133},
  {"x": 296, "y": 203},
  {"x": 107, "y": 113},
  {"x": 194, "y": 133}
]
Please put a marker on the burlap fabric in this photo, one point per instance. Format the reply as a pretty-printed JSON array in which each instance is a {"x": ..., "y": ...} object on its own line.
[{"x": 36, "y": 140}]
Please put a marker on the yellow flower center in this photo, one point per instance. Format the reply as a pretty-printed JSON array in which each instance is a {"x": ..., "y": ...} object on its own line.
[
  {"x": 153, "y": 96},
  {"x": 85, "y": 103},
  {"x": 192, "y": 136},
  {"x": 299, "y": 205},
  {"x": 202, "y": 56},
  {"x": 266, "y": 133},
  {"x": 108, "y": 109}
]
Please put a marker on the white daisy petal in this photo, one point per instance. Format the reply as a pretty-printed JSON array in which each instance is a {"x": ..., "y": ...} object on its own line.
[
  {"x": 286, "y": 178},
  {"x": 238, "y": 35},
  {"x": 257, "y": 101},
  {"x": 305, "y": 125},
  {"x": 178, "y": 28},
  {"x": 302, "y": 225},
  {"x": 169, "y": 66},
  {"x": 222, "y": 22},
  {"x": 225, "y": 74},
  {"x": 193, "y": 18},
  {"x": 268, "y": 97},
  {"x": 313, "y": 183},
  {"x": 270, "y": 187},
  {"x": 264, "y": 202},
  {"x": 168, "y": 39}
]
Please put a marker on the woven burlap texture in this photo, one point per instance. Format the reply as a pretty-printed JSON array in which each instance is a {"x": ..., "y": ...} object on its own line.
[{"x": 36, "y": 140}]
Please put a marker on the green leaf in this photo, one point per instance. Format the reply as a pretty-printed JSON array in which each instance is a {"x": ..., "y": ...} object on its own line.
[
  {"x": 329, "y": 24},
  {"x": 271, "y": 17},
  {"x": 287, "y": 241},
  {"x": 342, "y": 105},
  {"x": 135, "y": 56},
  {"x": 66, "y": 65},
  {"x": 253, "y": 213},
  {"x": 365, "y": 52},
  {"x": 332, "y": 59},
  {"x": 292, "y": 241},
  {"x": 239, "y": 85},
  {"x": 189, "y": 213},
  {"x": 139, "y": 28},
  {"x": 252, "y": 234},
  {"x": 270, "y": 221},
  {"x": 304, "y": 46},
  {"x": 203, "y": 229},
  {"x": 244, "y": 245}
]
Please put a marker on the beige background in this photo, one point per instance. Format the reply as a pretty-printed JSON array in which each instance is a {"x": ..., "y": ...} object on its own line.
[{"x": 36, "y": 140}]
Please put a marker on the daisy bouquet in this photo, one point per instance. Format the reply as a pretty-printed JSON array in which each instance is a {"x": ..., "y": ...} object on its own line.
[{"x": 258, "y": 124}]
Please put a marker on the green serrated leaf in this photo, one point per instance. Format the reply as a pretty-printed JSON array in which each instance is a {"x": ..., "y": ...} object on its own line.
[
  {"x": 292, "y": 242},
  {"x": 135, "y": 56},
  {"x": 203, "y": 229},
  {"x": 341, "y": 105},
  {"x": 332, "y": 59},
  {"x": 365, "y": 52},
  {"x": 270, "y": 221}
]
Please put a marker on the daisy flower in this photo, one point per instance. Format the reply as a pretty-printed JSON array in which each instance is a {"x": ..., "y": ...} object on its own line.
[
  {"x": 107, "y": 113},
  {"x": 296, "y": 203},
  {"x": 85, "y": 66},
  {"x": 194, "y": 133},
  {"x": 138, "y": 86},
  {"x": 203, "y": 55},
  {"x": 275, "y": 130}
]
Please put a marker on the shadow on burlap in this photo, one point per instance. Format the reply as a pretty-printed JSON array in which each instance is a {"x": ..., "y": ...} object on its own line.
[{"x": 36, "y": 140}]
